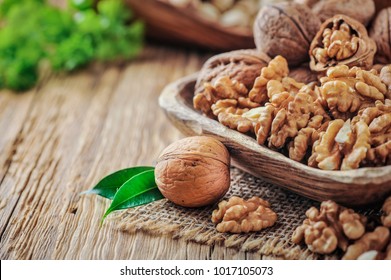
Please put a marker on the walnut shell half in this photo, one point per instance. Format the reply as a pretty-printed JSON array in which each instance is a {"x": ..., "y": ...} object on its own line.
[
  {"x": 285, "y": 29},
  {"x": 380, "y": 32},
  {"x": 341, "y": 40},
  {"x": 193, "y": 171}
]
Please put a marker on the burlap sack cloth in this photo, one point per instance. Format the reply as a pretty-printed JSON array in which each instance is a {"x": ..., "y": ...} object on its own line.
[{"x": 194, "y": 224}]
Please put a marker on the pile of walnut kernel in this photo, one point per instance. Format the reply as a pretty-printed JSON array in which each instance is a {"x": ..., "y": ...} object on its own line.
[
  {"x": 320, "y": 93},
  {"x": 334, "y": 226}
]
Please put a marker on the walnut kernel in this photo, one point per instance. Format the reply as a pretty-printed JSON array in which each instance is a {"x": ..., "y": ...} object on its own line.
[{"x": 238, "y": 215}]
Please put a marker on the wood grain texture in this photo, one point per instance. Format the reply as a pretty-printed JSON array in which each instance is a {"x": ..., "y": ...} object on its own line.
[
  {"x": 63, "y": 137},
  {"x": 358, "y": 187}
]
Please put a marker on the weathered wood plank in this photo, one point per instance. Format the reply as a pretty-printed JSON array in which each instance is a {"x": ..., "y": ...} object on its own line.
[{"x": 79, "y": 129}]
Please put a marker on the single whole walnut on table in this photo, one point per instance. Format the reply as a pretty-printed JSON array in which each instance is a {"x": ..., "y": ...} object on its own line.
[
  {"x": 341, "y": 40},
  {"x": 238, "y": 215},
  {"x": 193, "y": 171}
]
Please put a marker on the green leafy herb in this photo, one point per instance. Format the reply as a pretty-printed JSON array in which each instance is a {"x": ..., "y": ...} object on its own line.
[
  {"x": 32, "y": 31},
  {"x": 108, "y": 186},
  {"x": 138, "y": 190}
]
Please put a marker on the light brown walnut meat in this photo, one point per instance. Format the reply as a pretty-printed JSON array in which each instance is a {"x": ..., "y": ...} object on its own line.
[
  {"x": 222, "y": 88},
  {"x": 376, "y": 240},
  {"x": 361, "y": 10},
  {"x": 380, "y": 32},
  {"x": 329, "y": 228},
  {"x": 361, "y": 145},
  {"x": 275, "y": 70},
  {"x": 288, "y": 122},
  {"x": 238, "y": 215},
  {"x": 385, "y": 77},
  {"x": 285, "y": 29},
  {"x": 241, "y": 66},
  {"x": 353, "y": 224},
  {"x": 386, "y": 218},
  {"x": 326, "y": 152},
  {"x": 346, "y": 90},
  {"x": 341, "y": 40},
  {"x": 293, "y": 106}
]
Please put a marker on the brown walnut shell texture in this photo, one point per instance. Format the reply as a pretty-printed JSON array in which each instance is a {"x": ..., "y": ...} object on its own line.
[
  {"x": 361, "y": 10},
  {"x": 364, "y": 55},
  {"x": 243, "y": 66},
  {"x": 286, "y": 29},
  {"x": 380, "y": 32},
  {"x": 193, "y": 171},
  {"x": 303, "y": 74}
]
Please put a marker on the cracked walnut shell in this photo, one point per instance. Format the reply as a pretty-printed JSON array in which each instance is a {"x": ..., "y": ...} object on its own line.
[
  {"x": 341, "y": 40},
  {"x": 238, "y": 215},
  {"x": 193, "y": 171},
  {"x": 285, "y": 29}
]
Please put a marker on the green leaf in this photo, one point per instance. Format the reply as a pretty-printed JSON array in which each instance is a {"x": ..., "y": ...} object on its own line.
[
  {"x": 108, "y": 186},
  {"x": 138, "y": 190}
]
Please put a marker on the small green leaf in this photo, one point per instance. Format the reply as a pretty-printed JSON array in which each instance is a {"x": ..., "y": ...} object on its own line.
[
  {"x": 138, "y": 190},
  {"x": 108, "y": 186}
]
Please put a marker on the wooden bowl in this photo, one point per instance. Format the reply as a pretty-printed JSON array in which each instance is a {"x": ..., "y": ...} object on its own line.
[
  {"x": 171, "y": 24},
  {"x": 353, "y": 188}
]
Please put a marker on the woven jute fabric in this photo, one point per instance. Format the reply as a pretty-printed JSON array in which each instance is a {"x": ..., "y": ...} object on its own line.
[{"x": 194, "y": 224}]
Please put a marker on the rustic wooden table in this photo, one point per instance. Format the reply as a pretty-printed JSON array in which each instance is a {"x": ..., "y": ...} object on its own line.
[{"x": 60, "y": 138}]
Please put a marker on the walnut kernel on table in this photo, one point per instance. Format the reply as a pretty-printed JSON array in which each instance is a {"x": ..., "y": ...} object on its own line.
[
  {"x": 341, "y": 40},
  {"x": 238, "y": 215},
  {"x": 376, "y": 240},
  {"x": 329, "y": 228}
]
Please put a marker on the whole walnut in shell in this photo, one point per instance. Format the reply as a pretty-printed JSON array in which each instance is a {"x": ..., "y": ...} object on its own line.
[
  {"x": 285, "y": 29},
  {"x": 194, "y": 171},
  {"x": 380, "y": 32},
  {"x": 361, "y": 10}
]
